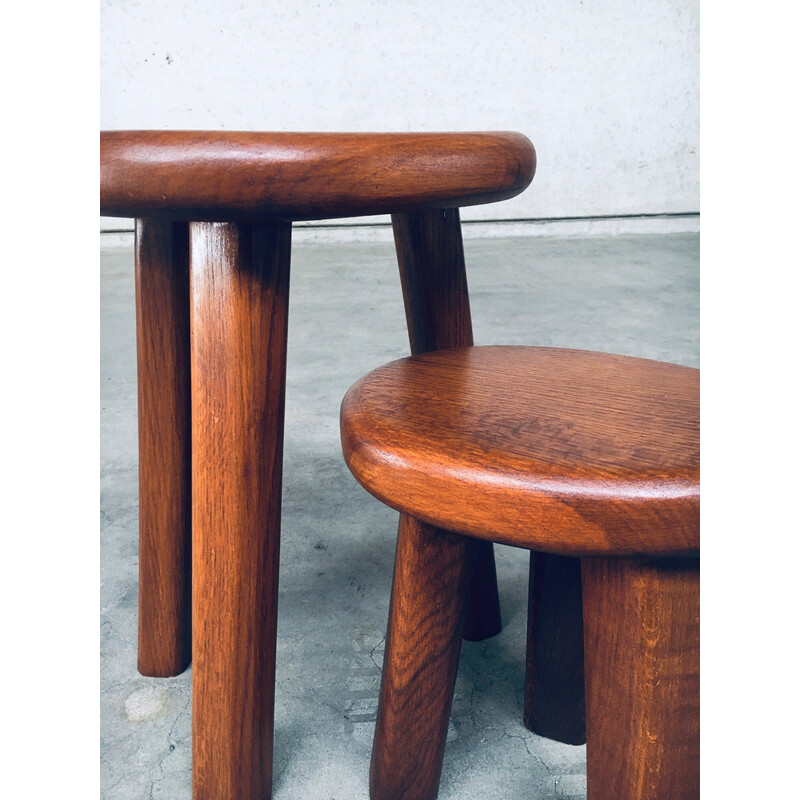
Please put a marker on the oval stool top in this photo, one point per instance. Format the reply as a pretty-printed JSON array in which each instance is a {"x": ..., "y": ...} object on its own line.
[
  {"x": 227, "y": 175},
  {"x": 565, "y": 451}
]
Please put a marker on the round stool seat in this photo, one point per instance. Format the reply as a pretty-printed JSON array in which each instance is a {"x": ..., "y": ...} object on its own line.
[
  {"x": 565, "y": 451},
  {"x": 256, "y": 175}
]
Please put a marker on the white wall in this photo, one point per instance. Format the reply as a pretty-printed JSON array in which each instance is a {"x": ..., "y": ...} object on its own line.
[{"x": 607, "y": 90}]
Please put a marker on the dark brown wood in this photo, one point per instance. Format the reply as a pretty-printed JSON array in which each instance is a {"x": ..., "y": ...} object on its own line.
[
  {"x": 483, "y": 609},
  {"x": 554, "y": 683},
  {"x": 423, "y": 643},
  {"x": 577, "y": 453},
  {"x": 250, "y": 185},
  {"x": 226, "y": 175},
  {"x": 430, "y": 254},
  {"x": 564, "y": 451},
  {"x": 240, "y": 290},
  {"x": 642, "y": 638},
  {"x": 162, "y": 344}
]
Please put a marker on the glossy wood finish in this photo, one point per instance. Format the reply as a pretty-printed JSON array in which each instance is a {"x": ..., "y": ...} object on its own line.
[
  {"x": 240, "y": 290},
  {"x": 430, "y": 255},
  {"x": 239, "y": 282},
  {"x": 642, "y": 636},
  {"x": 423, "y": 642},
  {"x": 162, "y": 344},
  {"x": 554, "y": 677},
  {"x": 226, "y": 175},
  {"x": 565, "y": 451},
  {"x": 547, "y": 428}
]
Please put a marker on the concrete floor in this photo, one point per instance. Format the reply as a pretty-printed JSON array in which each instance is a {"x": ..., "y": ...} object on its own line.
[{"x": 635, "y": 295}]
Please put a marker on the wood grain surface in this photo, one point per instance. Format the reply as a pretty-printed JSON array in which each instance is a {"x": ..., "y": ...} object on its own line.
[
  {"x": 430, "y": 255},
  {"x": 227, "y": 175},
  {"x": 642, "y": 641},
  {"x": 240, "y": 290},
  {"x": 162, "y": 347},
  {"x": 423, "y": 643},
  {"x": 213, "y": 242},
  {"x": 564, "y": 451},
  {"x": 554, "y": 678}
]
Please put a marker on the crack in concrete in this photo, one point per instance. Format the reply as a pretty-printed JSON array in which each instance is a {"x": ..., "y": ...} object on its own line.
[
  {"x": 181, "y": 713},
  {"x": 372, "y": 652}
]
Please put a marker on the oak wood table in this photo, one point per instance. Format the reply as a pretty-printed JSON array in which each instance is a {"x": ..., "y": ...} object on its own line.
[
  {"x": 213, "y": 225},
  {"x": 590, "y": 457}
]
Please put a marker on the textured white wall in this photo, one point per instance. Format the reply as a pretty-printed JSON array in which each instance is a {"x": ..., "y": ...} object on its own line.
[{"x": 606, "y": 90}]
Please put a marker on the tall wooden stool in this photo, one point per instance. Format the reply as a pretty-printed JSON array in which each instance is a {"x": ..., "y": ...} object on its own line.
[
  {"x": 214, "y": 212},
  {"x": 583, "y": 455}
]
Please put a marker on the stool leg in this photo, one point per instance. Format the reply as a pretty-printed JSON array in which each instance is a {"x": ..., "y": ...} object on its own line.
[
  {"x": 554, "y": 683},
  {"x": 483, "y": 608},
  {"x": 240, "y": 291},
  {"x": 423, "y": 643},
  {"x": 162, "y": 345},
  {"x": 642, "y": 639},
  {"x": 430, "y": 254}
]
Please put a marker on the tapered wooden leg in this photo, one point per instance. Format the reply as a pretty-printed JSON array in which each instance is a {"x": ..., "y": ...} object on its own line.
[
  {"x": 423, "y": 642},
  {"x": 162, "y": 344},
  {"x": 554, "y": 683},
  {"x": 240, "y": 290},
  {"x": 430, "y": 254},
  {"x": 642, "y": 640}
]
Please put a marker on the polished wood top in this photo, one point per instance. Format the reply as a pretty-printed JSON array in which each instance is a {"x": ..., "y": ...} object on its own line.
[
  {"x": 226, "y": 175},
  {"x": 565, "y": 451}
]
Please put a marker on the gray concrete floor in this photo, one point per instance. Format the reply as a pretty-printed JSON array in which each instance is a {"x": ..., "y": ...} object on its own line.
[{"x": 635, "y": 295}]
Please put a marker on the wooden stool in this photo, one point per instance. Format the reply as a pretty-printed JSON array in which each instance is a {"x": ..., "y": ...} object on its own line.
[
  {"x": 214, "y": 212},
  {"x": 583, "y": 455}
]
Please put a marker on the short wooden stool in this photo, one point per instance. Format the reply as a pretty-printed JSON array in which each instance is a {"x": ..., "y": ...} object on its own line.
[
  {"x": 583, "y": 455},
  {"x": 214, "y": 213}
]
